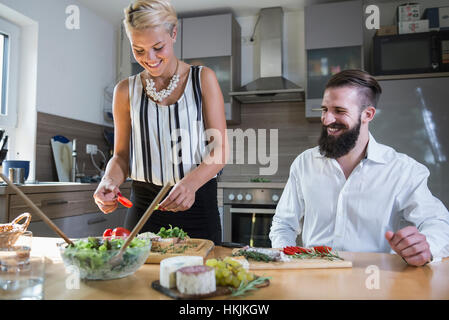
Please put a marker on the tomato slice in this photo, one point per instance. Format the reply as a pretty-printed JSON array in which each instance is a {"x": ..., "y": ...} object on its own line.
[
  {"x": 120, "y": 232},
  {"x": 124, "y": 201},
  {"x": 107, "y": 233}
]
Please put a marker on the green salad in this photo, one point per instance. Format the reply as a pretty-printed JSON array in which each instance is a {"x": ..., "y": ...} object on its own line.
[{"x": 92, "y": 256}]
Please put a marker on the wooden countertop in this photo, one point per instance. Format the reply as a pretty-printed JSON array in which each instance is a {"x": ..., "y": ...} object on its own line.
[{"x": 396, "y": 280}]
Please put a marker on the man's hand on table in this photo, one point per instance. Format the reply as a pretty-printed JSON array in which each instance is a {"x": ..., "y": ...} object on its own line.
[{"x": 411, "y": 245}]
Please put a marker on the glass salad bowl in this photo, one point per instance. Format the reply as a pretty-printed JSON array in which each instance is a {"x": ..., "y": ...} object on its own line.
[{"x": 91, "y": 256}]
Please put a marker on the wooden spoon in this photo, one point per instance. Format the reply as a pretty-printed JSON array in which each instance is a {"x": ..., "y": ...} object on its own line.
[
  {"x": 117, "y": 259},
  {"x": 36, "y": 209}
]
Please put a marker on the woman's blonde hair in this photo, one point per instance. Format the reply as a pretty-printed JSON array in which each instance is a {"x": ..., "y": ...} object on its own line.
[{"x": 142, "y": 14}]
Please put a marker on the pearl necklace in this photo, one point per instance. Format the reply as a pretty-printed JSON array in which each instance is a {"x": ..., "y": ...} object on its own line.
[{"x": 164, "y": 93}]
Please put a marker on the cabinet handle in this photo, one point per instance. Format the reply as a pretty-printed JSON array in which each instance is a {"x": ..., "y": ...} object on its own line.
[
  {"x": 317, "y": 109},
  {"x": 53, "y": 202},
  {"x": 96, "y": 220}
]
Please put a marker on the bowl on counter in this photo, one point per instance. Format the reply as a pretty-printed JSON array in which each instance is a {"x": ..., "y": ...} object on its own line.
[{"x": 93, "y": 261}]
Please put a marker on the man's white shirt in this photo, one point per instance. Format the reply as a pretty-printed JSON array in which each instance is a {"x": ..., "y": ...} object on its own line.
[{"x": 386, "y": 191}]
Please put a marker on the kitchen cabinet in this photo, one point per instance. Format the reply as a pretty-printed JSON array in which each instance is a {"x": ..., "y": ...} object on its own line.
[
  {"x": 338, "y": 24},
  {"x": 70, "y": 206},
  {"x": 208, "y": 36},
  {"x": 334, "y": 42},
  {"x": 215, "y": 41}
]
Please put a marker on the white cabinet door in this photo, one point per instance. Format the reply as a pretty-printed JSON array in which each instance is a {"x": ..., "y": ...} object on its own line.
[
  {"x": 209, "y": 36},
  {"x": 334, "y": 25}
]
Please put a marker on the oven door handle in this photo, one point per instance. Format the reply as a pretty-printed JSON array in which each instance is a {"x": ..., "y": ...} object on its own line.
[{"x": 251, "y": 211}]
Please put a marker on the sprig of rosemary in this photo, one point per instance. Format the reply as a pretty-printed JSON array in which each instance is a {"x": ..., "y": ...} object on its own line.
[
  {"x": 249, "y": 286},
  {"x": 254, "y": 255}
]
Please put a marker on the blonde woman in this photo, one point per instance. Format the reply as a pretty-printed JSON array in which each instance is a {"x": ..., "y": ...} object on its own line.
[{"x": 161, "y": 117}]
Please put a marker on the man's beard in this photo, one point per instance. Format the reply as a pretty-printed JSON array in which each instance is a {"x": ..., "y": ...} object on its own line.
[{"x": 338, "y": 146}]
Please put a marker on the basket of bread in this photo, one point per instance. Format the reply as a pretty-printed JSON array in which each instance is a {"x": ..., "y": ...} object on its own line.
[{"x": 10, "y": 232}]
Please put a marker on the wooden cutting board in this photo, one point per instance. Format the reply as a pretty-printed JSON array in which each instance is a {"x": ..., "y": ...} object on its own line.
[
  {"x": 298, "y": 264},
  {"x": 202, "y": 247}
]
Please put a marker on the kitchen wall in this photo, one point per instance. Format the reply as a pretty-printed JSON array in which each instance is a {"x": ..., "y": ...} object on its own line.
[
  {"x": 295, "y": 135},
  {"x": 72, "y": 68},
  {"x": 49, "y": 125}
]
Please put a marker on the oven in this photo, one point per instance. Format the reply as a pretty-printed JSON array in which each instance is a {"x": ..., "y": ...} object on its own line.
[{"x": 247, "y": 215}]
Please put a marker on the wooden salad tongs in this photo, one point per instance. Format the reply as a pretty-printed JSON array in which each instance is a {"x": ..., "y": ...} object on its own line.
[
  {"x": 117, "y": 259},
  {"x": 38, "y": 211}
]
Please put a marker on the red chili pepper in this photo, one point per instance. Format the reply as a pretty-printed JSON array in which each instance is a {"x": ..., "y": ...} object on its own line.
[
  {"x": 303, "y": 250},
  {"x": 124, "y": 201},
  {"x": 322, "y": 249},
  {"x": 289, "y": 250},
  {"x": 295, "y": 250}
]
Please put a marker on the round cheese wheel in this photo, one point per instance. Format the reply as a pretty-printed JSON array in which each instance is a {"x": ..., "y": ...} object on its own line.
[{"x": 196, "y": 280}]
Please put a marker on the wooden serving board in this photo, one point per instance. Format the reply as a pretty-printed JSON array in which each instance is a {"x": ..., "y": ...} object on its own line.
[
  {"x": 202, "y": 248},
  {"x": 317, "y": 263},
  {"x": 175, "y": 294}
]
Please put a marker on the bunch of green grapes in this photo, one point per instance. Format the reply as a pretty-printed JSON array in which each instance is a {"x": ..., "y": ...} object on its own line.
[{"x": 229, "y": 272}]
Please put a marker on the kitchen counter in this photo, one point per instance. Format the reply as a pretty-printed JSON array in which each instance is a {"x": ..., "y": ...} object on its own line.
[
  {"x": 42, "y": 187},
  {"x": 396, "y": 280}
]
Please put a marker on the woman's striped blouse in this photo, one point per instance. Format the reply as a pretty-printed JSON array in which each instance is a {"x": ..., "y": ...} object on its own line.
[{"x": 167, "y": 142}]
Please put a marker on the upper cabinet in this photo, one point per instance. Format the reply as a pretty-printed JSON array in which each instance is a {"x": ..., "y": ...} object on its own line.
[
  {"x": 209, "y": 36},
  {"x": 337, "y": 24},
  {"x": 215, "y": 41},
  {"x": 334, "y": 42}
]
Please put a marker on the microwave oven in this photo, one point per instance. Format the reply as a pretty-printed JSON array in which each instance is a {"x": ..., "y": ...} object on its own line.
[{"x": 411, "y": 53}]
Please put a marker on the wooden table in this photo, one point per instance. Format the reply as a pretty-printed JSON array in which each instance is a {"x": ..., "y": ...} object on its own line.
[{"x": 396, "y": 280}]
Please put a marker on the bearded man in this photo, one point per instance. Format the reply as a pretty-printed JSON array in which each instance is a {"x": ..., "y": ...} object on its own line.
[{"x": 354, "y": 194}]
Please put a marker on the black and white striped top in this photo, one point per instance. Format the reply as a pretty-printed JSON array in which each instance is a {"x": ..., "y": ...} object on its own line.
[{"x": 167, "y": 142}]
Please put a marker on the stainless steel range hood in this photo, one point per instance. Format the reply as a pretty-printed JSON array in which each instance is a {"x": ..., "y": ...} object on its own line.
[{"x": 272, "y": 86}]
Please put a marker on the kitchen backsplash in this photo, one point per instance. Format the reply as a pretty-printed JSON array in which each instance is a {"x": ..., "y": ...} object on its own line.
[
  {"x": 295, "y": 135},
  {"x": 49, "y": 126}
]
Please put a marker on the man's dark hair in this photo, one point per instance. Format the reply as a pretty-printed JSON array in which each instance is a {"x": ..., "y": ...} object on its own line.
[{"x": 369, "y": 88}]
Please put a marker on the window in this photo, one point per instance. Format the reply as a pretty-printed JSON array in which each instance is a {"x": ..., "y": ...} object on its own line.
[
  {"x": 9, "y": 72},
  {"x": 3, "y": 71}
]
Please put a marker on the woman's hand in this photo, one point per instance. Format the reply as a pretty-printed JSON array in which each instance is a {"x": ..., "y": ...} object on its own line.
[
  {"x": 106, "y": 196},
  {"x": 180, "y": 198}
]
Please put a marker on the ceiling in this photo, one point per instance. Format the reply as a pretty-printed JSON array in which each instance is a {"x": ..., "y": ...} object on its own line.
[{"x": 112, "y": 10}]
